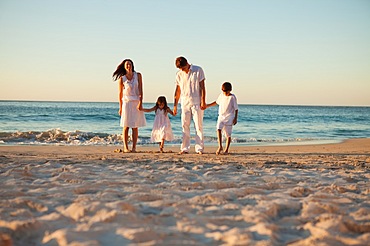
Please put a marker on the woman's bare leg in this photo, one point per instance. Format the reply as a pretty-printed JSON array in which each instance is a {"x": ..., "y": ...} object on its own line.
[
  {"x": 125, "y": 139},
  {"x": 135, "y": 135}
]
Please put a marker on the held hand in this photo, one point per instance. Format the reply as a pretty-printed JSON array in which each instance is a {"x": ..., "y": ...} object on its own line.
[
  {"x": 203, "y": 106},
  {"x": 120, "y": 112},
  {"x": 175, "y": 110},
  {"x": 140, "y": 106},
  {"x": 235, "y": 121}
]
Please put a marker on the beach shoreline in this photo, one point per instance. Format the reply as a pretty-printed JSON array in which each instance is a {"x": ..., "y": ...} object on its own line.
[
  {"x": 358, "y": 145},
  {"x": 259, "y": 195}
]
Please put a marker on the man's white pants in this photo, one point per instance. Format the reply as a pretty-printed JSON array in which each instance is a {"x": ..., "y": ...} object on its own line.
[{"x": 196, "y": 113}]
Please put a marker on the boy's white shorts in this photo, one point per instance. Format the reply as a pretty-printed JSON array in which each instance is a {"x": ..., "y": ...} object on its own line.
[{"x": 225, "y": 127}]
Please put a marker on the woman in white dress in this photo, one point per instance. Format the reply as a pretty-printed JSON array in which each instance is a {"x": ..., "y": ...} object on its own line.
[
  {"x": 162, "y": 130},
  {"x": 130, "y": 88}
]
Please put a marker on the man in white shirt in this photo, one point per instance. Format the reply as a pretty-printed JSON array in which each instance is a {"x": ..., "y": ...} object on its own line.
[{"x": 191, "y": 88}]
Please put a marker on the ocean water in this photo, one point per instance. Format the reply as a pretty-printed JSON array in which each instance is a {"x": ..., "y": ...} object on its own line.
[{"x": 89, "y": 123}]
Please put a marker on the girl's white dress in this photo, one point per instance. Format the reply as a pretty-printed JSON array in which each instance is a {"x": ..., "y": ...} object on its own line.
[{"x": 161, "y": 127}]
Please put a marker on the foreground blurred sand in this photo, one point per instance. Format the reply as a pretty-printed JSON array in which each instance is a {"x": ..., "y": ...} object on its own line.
[{"x": 275, "y": 195}]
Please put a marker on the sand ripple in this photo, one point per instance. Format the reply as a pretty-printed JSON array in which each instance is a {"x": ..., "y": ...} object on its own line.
[{"x": 151, "y": 199}]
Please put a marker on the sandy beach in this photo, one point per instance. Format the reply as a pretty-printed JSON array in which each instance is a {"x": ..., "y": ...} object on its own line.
[{"x": 271, "y": 195}]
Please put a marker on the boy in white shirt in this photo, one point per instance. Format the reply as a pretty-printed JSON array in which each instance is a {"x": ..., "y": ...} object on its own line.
[{"x": 227, "y": 116}]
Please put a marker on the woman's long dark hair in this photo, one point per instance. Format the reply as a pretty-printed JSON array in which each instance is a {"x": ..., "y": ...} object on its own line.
[
  {"x": 161, "y": 99},
  {"x": 121, "y": 71}
]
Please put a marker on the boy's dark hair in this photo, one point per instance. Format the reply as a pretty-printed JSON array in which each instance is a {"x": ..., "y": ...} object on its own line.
[
  {"x": 227, "y": 86},
  {"x": 181, "y": 62}
]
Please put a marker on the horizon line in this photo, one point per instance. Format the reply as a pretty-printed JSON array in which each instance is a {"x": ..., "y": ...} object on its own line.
[{"x": 252, "y": 104}]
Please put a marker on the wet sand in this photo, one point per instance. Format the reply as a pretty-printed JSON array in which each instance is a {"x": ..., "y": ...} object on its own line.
[{"x": 271, "y": 195}]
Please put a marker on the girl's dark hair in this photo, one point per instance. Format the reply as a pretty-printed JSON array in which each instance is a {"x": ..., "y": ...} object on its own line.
[
  {"x": 121, "y": 71},
  {"x": 161, "y": 99},
  {"x": 181, "y": 62}
]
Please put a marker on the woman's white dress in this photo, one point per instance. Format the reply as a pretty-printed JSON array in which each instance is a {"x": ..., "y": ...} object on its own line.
[
  {"x": 131, "y": 116},
  {"x": 161, "y": 127}
]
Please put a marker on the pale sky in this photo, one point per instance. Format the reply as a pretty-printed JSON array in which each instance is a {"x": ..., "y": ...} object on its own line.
[{"x": 286, "y": 52}]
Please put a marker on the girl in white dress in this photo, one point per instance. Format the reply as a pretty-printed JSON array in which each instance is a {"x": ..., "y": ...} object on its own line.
[
  {"x": 130, "y": 89},
  {"x": 162, "y": 130}
]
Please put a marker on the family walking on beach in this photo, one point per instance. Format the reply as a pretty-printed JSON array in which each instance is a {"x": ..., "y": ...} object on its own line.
[{"x": 190, "y": 87}]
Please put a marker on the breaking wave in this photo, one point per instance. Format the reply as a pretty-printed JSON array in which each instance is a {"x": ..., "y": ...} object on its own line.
[{"x": 60, "y": 137}]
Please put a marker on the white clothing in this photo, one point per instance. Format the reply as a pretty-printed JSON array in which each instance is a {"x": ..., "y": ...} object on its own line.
[
  {"x": 161, "y": 127},
  {"x": 189, "y": 84},
  {"x": 131, "y": 88},
  {"x": 226, "y": 129},
  {"x": 196, "y": 113},
  {"x": 131, "y": 116},
  {"x": 226, "y": 113},
  {"x": 226, "y": 107}
]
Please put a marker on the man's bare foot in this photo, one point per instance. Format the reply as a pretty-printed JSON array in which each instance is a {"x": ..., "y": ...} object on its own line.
[{"x": 126, "y": 151}]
